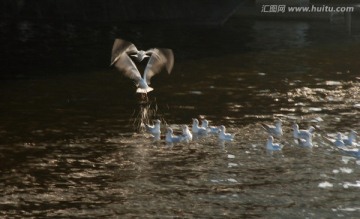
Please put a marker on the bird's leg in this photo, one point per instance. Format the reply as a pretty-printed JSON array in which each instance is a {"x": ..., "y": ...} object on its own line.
[{"x": 145, "y": 97}]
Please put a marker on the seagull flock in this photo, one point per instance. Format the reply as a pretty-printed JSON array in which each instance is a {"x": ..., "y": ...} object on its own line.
[
  {"x": 124, "y": 54},
  {"x": 187, "y": 135},
  {"x": 303, "y": 137},
  {"x": 347, "y": 145}
]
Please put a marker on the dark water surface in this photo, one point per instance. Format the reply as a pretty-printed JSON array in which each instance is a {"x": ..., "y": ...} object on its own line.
[{"x": 69, "y": 148}]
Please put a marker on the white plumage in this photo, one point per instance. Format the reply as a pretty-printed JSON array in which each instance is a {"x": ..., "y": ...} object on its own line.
[
  {"x": 171, "y": 138},
  {"x": 186, "y": 134},
  {"x": 196, "y": 129},
  {"x": 274, "y": 130},
  {"x": 154, "y": 129},
  {"x": 302, "y": 133},
  {"x": 225, "y": 136},
  {"x": 270, "y": 146},
  {"x": 122, "y": 52},
  {"x": 350, "y": 140},
  {"x": 209, "y": 129}
]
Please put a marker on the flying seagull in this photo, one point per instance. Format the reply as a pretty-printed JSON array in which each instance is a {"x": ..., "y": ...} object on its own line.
[{"x": 159, "y": 58}]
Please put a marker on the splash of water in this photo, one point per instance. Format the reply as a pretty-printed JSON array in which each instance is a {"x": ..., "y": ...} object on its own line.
[{"x": 148, "y": 111}]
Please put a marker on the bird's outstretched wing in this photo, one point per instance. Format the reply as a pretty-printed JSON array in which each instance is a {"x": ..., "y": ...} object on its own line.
[
  {"x": 121, "y": 46},
  {"x": 125, "y": 65},
  {"x": 159, "y": 59}
]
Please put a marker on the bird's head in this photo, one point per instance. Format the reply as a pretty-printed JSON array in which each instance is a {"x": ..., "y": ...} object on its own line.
[
  {"x": 169, "y": 130},
  {"x": 270, "y": 138},
  {"x": 295, "y": 126}
]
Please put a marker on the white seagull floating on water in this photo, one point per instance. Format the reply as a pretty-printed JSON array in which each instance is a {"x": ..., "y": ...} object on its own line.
[
  {"x": 209, "y": 129},
  {"x": 350, "y": 140},
  {"x": 301, "y": 133},
  {"x": 196, "y": 129},
  {"x": 154, "y": 129},
  {"x": 171, "y": 138},
  {"x": 158, "y": 59},
  {"x": 339, "y": 142},
  {"x": 186, "y": 134},
  {"x": 225, "y": 136},
  {"x": 274, "y": 130},
  {"x": 306, "y": 141},
  {"x": 270, "y": 146}
]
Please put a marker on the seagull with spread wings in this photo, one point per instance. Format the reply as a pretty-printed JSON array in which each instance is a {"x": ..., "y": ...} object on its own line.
[{"x": 159, "y": 58}]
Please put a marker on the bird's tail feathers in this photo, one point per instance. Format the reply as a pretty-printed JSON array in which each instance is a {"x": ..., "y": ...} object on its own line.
[{"x": 144, "y": 90}]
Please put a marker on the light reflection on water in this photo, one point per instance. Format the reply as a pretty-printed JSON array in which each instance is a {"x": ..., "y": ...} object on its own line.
[{"x": 69, "y": 148}]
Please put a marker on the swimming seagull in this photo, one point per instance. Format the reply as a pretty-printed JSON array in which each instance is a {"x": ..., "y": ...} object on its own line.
[
  {"x": 196, "y": 129},
  {"x": 274, "y": 130},
  {"x": 209, "y": 129},
  {"x": 338, "y": 142},
  {"x": 186, "y": 134},
  {"x": 159, "y": 59},
  {"x": 154, "y": 129},
  {"x": 301, "y": 133},
  {"x": 306, "y": 141},
  {"x": 171, "y": 138},
  {"x": 225, "y": 136},
  {"x": 351, "y": 138},
  {"x": 270, "y": 146}
]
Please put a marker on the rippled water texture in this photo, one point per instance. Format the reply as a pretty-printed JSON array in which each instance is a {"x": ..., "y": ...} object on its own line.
[{"x": 69, "y": 144}]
